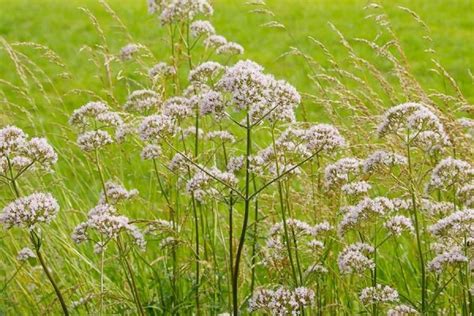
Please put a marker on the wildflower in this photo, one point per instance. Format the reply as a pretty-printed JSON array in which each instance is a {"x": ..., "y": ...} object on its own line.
[
  {"x": 353, "y": 259},
  {"x": 205, "y": 72},
  {"x": 450, "y": 257},
  {"x": 215, "y": 41},
  {"x": 199, "y": 184},
  {"x": 402, "y": 310},
  {"x": 246, "y": 83},
  {"x": 161, "y": 70},
  {"x": 338, "y": 173},
  {"x": 142, "y": 101},
  {"x": 176, "y": 11},
  {"x": 104, "y": 220},
  {"x": 230, "y": 48},
  {"x": 115, "y": 193},
  {"x": 178, "y": 163},
  {"x": 155, "y": 126},
  {"x": 93, "y": 140},
  {"x": 281, "y": 301},
  {"x": 466, "y": 194},
  {"x": 92, "y": 110},
  {"x": 356, "y": 188},
  {"x": 378, "y": 294},
  {"x": 323, "y": 138},
  {"x": 12, "y": 140},
  {"x": 434, "y": 208},
  {"x": 382, "y": 158},
  {"x": 25, "y": 254},
  {"x": 151, "y": 152},
  {"x": 363, "y": 211},
  {"x": 123, "y": 131},
  {"x": 413, "y": 117},
  {"x": 40, "y": 151},
  {"x": 127, "y": 52},
  {"x": 177, "y": 108},
  {"x": 199, "y": 28},
  {"x": 30, "y": 210},
  {"x": 235, "y": 164},
  {"x": 456, "y": 224},
  {"x": 397, "y": 224},
  {"x": 211, "y": 102},
  {"x": 448, "y": 172},
  {"x": 223, "y": 136}
]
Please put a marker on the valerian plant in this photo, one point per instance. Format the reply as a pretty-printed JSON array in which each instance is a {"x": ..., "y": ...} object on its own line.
[{"x": 246, "y": 205}]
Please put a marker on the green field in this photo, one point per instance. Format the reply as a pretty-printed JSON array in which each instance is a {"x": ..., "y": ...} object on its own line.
[{"x": 41, "y": 102}]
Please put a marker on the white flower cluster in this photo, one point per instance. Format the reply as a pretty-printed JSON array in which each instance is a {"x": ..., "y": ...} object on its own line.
[
  {"x": 201, "y": 28},
  {"x": 457, "y": 224},
  {"x": 223, "y": 136},
  {"x": 230, "y": 48},
  {"x": 422, "y": 125},
  {"x": 25, "y": 254},
  {"x": 200, "y": 184},
  {"x": 92, "y": 140},
  {"x": 143, "y": 101},
  {"x": 354, "y": 259},
  {"x": 155, "y": 126},
  {"x": 161, "y": 70},
  {"x": 151, "y": 151},
  {"x": 402, "y": 310},
  {"x": 447, "y": 258},
  {"x": 434, "y": 208},
  {"x": 378, "y": 294},
  {"x": 356, "y": 188},
  {"x": 205, "y": 72},
  {"x": 17, "y": 152},
  {"x": 104, "y": 219},
  {"x": 465, "y": 194},
  {"x": 339, "y": 173},
  {"x": 380, "y": 159},
  {"x": 235, "y": 164},
  {"x": 399, "y": 223},
  {"x": 215, "y": 41},
  {"x": 211, "y": 102},
  {"x": 298, "y": 144},
  {"x": 116, "y": 193},
  {"x": 97, "y": 115},
  {"x": 30, "y": 210},
  {"x": 282, "y": 301},
  {"x": 177, "y": 108},
  {"x": 127, "y": 52},
  {"x": 449, "y": 172},
  {"x": 363, "y": 212},
  {"x": 175, "y": 11},
  {"x": 300, "y": 227},
  {"x": 261, "y": 94}
]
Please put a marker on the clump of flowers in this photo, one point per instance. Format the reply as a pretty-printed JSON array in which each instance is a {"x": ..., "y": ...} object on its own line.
[
  {"x": 354, "y": 259},
  {"x": 378, "y": 294},
  {"x": 282, "y": 301},
  {"x": 104, "y": 220},
  {"x": 30, "y": 211}
]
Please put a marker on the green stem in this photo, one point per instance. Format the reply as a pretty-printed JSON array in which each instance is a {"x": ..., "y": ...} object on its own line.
[
  {"x": 235, "y": 297},
  {"x": 417, "y": 230}
]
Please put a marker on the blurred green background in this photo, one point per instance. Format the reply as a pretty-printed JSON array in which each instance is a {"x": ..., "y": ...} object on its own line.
[{"x": 62, "y": 26}]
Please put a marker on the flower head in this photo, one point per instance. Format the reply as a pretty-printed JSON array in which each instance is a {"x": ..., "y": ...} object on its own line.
[{"x": 30, "y": 210}]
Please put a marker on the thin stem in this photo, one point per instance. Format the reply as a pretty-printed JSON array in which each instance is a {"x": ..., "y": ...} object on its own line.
[
  {"x": 235, "y": 297},
  {"x": 37, "y": 245},
  {"x": 417, "y": 230}
]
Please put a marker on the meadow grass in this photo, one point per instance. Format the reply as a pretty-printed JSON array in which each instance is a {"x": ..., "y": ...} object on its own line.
[{"x": 73, "y": 80}]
